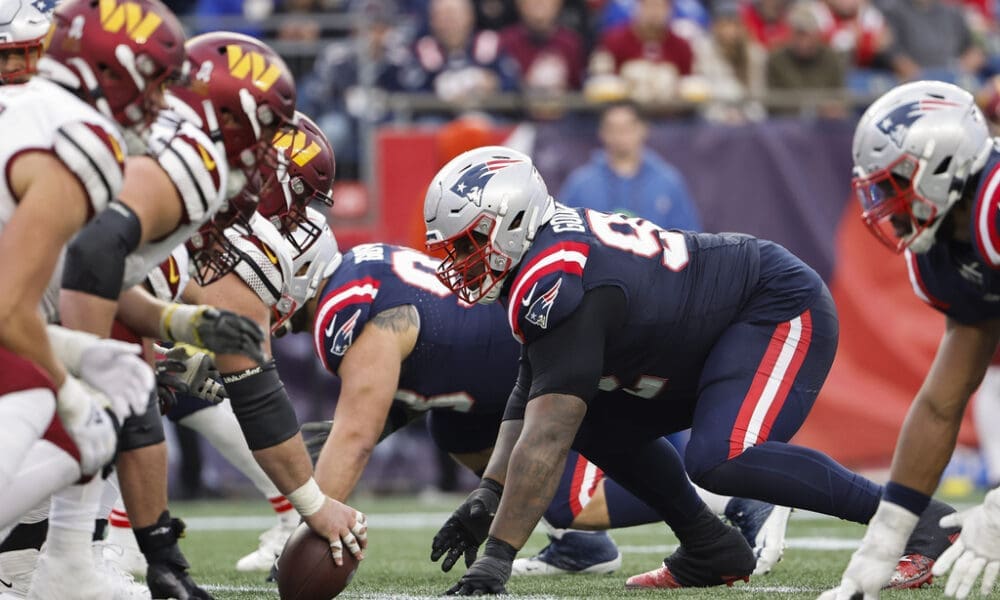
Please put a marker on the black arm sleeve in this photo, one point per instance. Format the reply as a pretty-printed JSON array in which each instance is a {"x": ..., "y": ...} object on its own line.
[
  {"x": 518, "y": 398},
  {"x": 95, "y": 258},
  {"x": 570, "y": 359}
]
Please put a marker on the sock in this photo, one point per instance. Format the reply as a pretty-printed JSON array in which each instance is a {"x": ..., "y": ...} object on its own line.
[
  {"x": 285, "y": 511},
  {"x": 109, "y": 496},
  {"x": 219, "y": 426},
  {"x": 576, "y": 487},
  {"x": 118, "y": 517},
  {"x": 46, "y": 469},
  {"x": 71, "y": 522},
  {"x": 715, "y": 502},
  {"x": 789, "y": 475}
]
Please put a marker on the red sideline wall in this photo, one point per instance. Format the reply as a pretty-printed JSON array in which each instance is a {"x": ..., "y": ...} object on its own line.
[{"x": 888, "y": 338}]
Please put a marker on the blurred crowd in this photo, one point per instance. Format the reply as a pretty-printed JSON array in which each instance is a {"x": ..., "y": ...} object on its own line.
[{"x": 724, "y": 60}]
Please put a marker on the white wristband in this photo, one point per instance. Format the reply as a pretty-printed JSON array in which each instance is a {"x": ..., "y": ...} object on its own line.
[{"x": 308, "y": 499}]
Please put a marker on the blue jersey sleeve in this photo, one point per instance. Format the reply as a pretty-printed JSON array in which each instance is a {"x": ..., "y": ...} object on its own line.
[{"x": 547, "y": 290}]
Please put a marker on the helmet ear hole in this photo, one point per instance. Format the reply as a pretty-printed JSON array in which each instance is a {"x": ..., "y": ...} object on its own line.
[
  {"x": 516, "y": 222},
  {"x": 943, "y": 165}
]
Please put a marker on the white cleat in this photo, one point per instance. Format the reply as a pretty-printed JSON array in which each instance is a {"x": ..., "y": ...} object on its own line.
[
  {"x": 16, "y": 568},
  {"x": 769, "y": 546},
  {"x": 121, "y": 584},
  {"x": 271, "y": 543},
  {"x": 122, "y": 550}
]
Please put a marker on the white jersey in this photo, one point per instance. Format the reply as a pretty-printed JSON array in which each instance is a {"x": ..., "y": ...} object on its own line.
[
  {"x": 169, "y": 280},
  {"x": 41, "y": 115},
  {"x": 198, "y": 169},
  {"x": 265, "y": 260}
]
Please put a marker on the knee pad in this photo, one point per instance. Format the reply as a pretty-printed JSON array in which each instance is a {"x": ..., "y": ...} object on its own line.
[
  {"x": 261, "y": 406},
  {"x": 141, "y": 431}
]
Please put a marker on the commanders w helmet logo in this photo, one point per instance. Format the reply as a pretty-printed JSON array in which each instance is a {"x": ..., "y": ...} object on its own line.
[
  {"x": 252, "y": 64},
  {"x": 295, "y": 146},
  {"x": 139, "y": 27}
]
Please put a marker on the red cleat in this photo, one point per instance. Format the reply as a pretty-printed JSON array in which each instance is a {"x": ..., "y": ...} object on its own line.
[
  {"x": 912, "y": 572},
  {"x": 662, "y": 578}
]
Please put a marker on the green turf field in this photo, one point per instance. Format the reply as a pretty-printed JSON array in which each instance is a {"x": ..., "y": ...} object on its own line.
[{"x": 397, "y": 563}]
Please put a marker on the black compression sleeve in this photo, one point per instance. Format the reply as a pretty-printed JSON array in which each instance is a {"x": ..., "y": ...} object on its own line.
[
  {"x": 519, "y": 395},
  {"x": 95, "y": 258},
  {"x": 570, "y": 359}
]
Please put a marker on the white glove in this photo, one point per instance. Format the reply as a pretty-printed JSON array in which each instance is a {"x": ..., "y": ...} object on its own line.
[
  {"x": 115, "y": 370},
  {"x": 71, "y": 346},
  {"x": 977, "y": 550},
  {"x": 83, "y": 413},
  {"x": 873, "y": 563}
]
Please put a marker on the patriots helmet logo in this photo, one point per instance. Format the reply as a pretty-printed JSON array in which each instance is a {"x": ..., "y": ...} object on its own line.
[
  {"x": 44, "y": 6},
  {"x": 538, "y": 314},
  {"x": 900, "y": 119},
  {"x": 345, "y": 335},
  {"x": 470, "y": 185}
]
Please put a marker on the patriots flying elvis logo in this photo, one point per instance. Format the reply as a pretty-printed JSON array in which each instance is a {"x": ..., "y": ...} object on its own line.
[
  {"x": 538, "y": 314},
  {"x": 898, "y": 122},
  {"x": 344, "y": 337},
  {"x": 44, "y": 6},
  {"x": 470, "y": 185}
]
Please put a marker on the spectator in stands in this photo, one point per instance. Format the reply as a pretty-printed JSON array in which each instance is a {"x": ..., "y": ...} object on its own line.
[
  {"x": 767, "y": 21},
  {"x": 733, "y": 65},
  {"x": 296, "y": 22},
  {"x": 645, "y": 53},
  {"x": 232, "y": 15},
  {"x": 857, "y": 30},
  {"x": 807, "y": 62},
  {"x": 456, "y": 62},
  {"x": 550, "y": 55},
  {"x": 933, "y": 41},
  {"x": 619, "y": 12},
  {"x": 627, "y": 177},
  {"x": 333, "y": 93}
]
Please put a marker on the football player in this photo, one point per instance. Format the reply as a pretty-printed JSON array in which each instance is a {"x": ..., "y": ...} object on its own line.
[
  {"x": 925, "y": 173},
  {"x": 256, "y": 286},
  {"x": 630, "y": 332},
  {"x": 65, "y": 144},
  {"x": 23, "y": 26}
]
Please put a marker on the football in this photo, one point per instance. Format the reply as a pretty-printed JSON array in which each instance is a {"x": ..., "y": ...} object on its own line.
[{"x": 306, "y": 570}]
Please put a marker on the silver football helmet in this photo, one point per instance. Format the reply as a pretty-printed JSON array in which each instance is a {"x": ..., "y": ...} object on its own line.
[
  {"x": 483, "y": 210},
  {"x": 317, "y": 262},
  {"x": 23, "y": 25},
  {"x": 914, "y": 149}
]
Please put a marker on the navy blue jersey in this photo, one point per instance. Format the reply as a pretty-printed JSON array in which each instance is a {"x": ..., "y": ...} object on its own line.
[
  {"x": 682, "y": 291},
  {"x": 961, "y": 279},
  {"x": 464, "y": 360}
]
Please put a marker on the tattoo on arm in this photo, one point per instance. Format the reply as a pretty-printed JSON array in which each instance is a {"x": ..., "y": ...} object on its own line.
[{"x": 397, "y": 319}]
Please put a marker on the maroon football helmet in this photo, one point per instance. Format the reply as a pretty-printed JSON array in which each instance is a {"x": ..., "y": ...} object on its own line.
[
  {"x": 244, "y": 94},
  {"x": 299, "y": 172},
  {"x": 242, "y": 90},
  {"x": 116, "y": 54}
]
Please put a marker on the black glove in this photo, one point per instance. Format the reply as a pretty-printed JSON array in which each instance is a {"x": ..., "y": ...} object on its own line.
[
  {"x": 225, "y": 332},
  {"x": 489, "y": 574},
  {"x": 169, "y": 382},
  {"x": 468, "y": 526},
  {"x": 167, "y": 575}
]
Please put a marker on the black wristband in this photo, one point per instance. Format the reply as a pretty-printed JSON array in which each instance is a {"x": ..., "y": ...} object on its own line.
[
  {"x": 498, "y": 548},
  {"x": 491, "y": 485}
]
